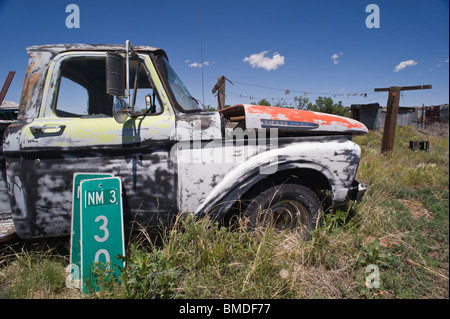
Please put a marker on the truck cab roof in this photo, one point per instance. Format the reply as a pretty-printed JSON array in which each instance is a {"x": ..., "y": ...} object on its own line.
[{"x": 59, "y": 48}]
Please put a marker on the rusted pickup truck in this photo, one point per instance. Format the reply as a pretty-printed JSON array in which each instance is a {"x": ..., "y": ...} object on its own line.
[{"x": 121, "y": 109}]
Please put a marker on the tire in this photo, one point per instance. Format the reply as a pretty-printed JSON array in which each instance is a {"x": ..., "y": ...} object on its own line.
[{"x": 286, "y": 206}]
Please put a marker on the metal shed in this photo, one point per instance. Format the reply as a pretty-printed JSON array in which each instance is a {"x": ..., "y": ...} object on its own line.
[{"x": 373, "y": 115}]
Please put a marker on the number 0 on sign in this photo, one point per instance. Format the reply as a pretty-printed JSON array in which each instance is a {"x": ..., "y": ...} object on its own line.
[{"x": 102, "y": 237}]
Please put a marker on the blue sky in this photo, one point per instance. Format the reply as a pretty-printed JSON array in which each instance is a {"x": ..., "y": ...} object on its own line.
[{"x": 318, "y": 47}]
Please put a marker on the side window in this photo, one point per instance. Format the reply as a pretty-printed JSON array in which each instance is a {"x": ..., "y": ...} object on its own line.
[
  {"x": 82, "y": 89},
  {"x": 146, "y": 100},
  {"x": 73, "y": 99}
]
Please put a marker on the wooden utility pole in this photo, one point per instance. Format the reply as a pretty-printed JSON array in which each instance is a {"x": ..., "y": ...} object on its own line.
[
  {"x": 220, "y": 88},
  {"x": 390, "y": 122},
  {"x": 5, "y": 87}
]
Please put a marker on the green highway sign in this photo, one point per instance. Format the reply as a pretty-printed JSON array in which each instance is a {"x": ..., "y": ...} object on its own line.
[
  {"x": 75, "y": 240},
  {"x": 102, "y": 231}
]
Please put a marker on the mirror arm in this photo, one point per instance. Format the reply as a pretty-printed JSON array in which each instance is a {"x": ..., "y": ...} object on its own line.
[
  {"x": 136, "y": 82},
  {"x": 127, "y": 48},
  {"x": 153, "y": 107}
]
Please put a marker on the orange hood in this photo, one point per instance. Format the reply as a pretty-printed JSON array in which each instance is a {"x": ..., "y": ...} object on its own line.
[{"x": 257, "y": 116}]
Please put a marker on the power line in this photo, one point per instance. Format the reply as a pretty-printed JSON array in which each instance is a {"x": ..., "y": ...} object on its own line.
[
  {"x": 291, "y": 101},
  {"x": 304, "y": 92},
  {"x": 251, "y": 97},
  {"x": 256, "y": 85}
]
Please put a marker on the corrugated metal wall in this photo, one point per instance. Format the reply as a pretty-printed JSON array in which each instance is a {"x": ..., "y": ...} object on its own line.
[{"x": 373, "y": 115}]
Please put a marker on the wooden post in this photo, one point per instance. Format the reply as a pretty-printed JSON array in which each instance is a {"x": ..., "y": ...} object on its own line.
[
  {"x": 390, "y": 122},
  {"x": 5, "y": 87},
  {"x": 220, "y": 88}
]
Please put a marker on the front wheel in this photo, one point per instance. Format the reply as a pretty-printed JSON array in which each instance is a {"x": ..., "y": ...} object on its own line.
[{"x": 286, "y": 206}]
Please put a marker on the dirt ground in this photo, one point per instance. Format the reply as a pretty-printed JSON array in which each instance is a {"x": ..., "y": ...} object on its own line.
[{"x": 437, "y": 129}]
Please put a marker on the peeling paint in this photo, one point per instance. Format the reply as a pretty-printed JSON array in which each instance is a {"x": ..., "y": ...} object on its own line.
[
  {"x": 256, "y": 116},
  {"x": 340, "y": 170}
]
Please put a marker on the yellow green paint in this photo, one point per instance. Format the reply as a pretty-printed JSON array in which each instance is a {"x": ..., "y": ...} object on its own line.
[{"x": 96, "y": 131}]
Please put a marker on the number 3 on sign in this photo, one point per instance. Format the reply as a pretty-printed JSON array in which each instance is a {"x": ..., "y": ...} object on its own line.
[
  {"x": 113, "y": 195},
  {"x": 103, "y": 228}
]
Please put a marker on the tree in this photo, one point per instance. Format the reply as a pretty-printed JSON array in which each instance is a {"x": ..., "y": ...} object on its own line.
[
  {"x": 326, "y": 105},
  {"x": 209, "y": 108},
  {"x": 263, "y": 102},
  {"x": 302, "y": 102}
]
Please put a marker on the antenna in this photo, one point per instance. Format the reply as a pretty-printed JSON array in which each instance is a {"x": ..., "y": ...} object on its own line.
[
  {"x": 201, "y": 51},
  {"x": 127, "y": 48}
]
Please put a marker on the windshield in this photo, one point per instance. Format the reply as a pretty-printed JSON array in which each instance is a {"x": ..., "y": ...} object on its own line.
[{"x": 180, "y": 92}]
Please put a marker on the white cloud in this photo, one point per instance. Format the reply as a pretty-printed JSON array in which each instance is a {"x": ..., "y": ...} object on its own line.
[
  {"x": 197, "y": 64},
  {"x": 440, "y": 61},
  {"x": 260, "y": 60},
  {"x": 404, "y": 64},
  {"x": 335, "y": 57}
]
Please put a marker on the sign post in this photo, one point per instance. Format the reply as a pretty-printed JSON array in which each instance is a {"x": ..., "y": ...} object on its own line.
[
  {"x": 75, "y": 239},
  {"x": 102, "y": 234}
]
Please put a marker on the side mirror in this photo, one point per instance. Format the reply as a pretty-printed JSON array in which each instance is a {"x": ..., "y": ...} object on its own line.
[
  {"x": 115, "y": 74},
  {"x": 120, "y": 111}
]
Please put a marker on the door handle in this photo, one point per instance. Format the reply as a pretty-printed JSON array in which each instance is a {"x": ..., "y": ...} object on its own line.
[{"x": 47, "y": 129}]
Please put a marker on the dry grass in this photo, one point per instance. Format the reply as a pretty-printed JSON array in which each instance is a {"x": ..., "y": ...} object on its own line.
[{"x": 401, "y": 226}]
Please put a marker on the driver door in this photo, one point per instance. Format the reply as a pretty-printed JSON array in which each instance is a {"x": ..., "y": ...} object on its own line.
[{"x": 75, "y": 132}]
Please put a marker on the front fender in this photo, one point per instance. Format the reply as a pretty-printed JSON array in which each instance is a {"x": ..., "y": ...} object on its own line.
[{"x": 337, "y": 159}]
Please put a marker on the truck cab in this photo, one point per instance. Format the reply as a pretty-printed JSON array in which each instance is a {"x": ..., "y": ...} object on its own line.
[{"x": 123, "y": 110}]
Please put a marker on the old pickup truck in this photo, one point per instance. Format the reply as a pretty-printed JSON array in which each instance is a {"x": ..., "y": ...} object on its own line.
[{"x": 122, "y": 110}]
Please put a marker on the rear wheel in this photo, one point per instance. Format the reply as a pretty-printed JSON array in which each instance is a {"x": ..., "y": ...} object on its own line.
[{"x": 286, "y": 206}]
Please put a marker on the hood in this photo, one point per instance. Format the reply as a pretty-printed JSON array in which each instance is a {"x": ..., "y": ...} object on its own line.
[{"x": 258, "y": 116}]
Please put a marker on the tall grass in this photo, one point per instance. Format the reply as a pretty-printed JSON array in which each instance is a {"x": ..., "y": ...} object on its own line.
[
  {"x": 404, "y": 168},
  {"x": 210, "y": 261},
  {"x": 32, "y": 270},
  {"x": 401, "y": 226}
]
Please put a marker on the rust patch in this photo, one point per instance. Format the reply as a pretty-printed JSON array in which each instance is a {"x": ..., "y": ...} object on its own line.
[{"x": 235, "y": 110}]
